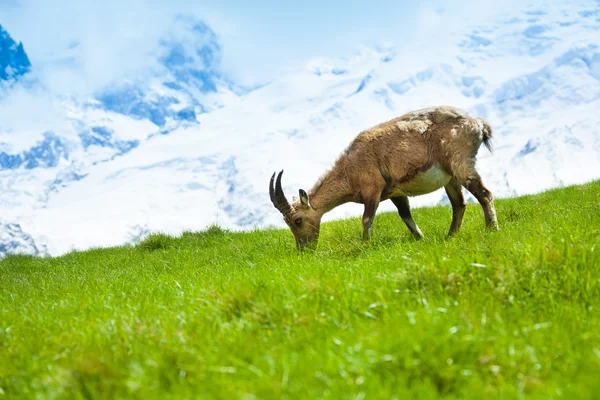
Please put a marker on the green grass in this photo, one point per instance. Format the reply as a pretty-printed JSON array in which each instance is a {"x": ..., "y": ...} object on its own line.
[{"x": 216, "y": 314}]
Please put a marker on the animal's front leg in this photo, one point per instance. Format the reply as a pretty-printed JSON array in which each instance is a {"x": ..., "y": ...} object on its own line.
[{"x": 368, "y": 217}]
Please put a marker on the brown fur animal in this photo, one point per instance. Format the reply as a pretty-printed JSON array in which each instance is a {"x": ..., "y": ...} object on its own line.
[{"x": 414, "y": 154}]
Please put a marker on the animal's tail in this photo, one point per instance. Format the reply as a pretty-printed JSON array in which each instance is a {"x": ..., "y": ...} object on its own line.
[{"x": 487, "y": 135}]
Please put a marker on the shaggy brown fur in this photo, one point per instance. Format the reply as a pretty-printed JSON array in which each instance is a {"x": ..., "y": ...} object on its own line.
[{"x": 414, "y": 154}]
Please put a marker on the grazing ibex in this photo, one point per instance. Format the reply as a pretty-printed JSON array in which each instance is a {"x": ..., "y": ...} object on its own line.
[{"x": 414, "y": 154}]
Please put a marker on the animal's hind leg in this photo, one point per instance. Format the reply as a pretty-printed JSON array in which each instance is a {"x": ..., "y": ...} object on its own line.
[
  {"x": 403, "y": 207},
  {"x": 459, "y": 205},
  {"x": 475, "y": 185}
]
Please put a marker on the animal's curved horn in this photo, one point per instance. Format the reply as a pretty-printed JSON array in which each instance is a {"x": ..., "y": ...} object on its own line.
[
  {"x": 282, "y": 202},
  {"x": 272, "y": 191}
]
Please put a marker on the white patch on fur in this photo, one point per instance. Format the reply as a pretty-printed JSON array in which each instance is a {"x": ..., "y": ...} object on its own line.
[
  {"x": 480, "y": 129},
  {"x": 424, "y": 182},
  {"x": 472, "y": 128},
  {"x": 412, "y": 226},
  {"x": 402, "y": 125},
  {"x": 419, "y": 126}
]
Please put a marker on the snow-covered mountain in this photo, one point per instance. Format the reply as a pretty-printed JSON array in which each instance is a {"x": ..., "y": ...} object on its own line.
[
  {"x": 179, "y": 146},
  {"x": 40, "y": 155}
]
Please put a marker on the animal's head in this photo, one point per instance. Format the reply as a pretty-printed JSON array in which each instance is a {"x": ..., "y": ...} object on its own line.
[{"x": 303, "y": 220}]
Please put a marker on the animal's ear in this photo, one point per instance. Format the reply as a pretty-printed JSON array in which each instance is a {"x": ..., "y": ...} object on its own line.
[{"x": 303, "y": 197}]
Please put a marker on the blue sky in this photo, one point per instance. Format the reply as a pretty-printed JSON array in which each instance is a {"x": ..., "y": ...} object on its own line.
[{"x": 260, "y": 39}]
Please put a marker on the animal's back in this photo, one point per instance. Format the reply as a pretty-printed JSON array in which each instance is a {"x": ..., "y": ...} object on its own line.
[
  {"x": 418, "y": 146},
  {"x": 417, "y": 121},
  {"x": 412, "y": 130}
]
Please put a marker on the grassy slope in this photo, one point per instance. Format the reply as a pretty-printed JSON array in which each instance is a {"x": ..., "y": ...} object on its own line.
[{"x": 238, "y": 315}]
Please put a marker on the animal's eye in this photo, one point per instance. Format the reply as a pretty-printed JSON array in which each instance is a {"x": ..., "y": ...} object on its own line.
[{"x": 298, "y": 221}]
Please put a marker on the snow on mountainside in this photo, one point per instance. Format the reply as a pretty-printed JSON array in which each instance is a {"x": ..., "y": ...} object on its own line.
[
  {"x": 181, "y": 148},
  {"x": 41, "y": 156},
  {"x": 185, "y": 84},
  {"x": 14, "y": 240}
]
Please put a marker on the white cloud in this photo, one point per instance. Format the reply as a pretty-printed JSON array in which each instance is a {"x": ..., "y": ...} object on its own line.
[{"x": 82, "y": 45}]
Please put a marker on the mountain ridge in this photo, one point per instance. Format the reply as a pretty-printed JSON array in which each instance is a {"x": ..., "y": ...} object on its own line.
[{"x": 13, "y": 58}]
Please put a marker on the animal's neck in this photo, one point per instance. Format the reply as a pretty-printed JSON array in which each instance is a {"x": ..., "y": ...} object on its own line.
[{"x": 330, "y": 191}]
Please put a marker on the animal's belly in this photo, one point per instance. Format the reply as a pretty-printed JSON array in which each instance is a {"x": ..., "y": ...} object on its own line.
[{"x": 423, "y": 183}]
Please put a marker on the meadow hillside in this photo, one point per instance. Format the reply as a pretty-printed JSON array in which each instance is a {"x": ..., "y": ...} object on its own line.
[{"x": 223, "y": 315}]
